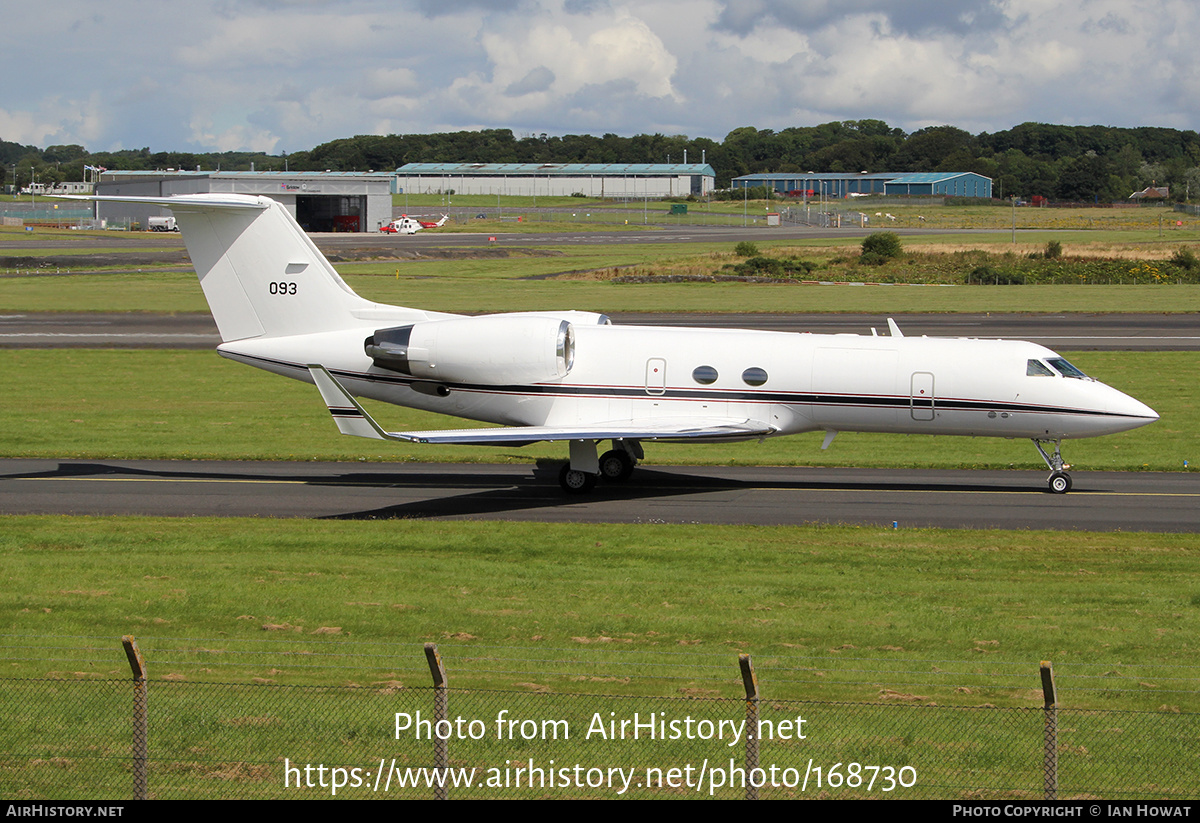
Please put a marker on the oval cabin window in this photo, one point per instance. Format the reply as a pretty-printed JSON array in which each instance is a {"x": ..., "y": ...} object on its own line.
[{"x": 754, "y": 376}]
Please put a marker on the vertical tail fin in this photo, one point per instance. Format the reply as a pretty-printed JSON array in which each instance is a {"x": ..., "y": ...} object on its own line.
[{"x": 261, "y": 274}]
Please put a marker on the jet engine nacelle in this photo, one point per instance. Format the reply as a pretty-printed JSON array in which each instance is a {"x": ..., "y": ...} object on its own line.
[{"x": 496, "y": 349}]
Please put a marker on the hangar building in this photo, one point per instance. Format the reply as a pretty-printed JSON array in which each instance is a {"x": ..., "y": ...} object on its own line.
[
  {"x": 618, "y": 180},
  {"x": 838, "y": 185},
  {"x": 320, "y": 201}
]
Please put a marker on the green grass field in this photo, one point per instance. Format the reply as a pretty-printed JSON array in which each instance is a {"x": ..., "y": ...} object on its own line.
[
  {"x": 587, "y": 277},
  {"x": 665, "y": 608},
  {"x": 499, "y": 285},
  {"x": 914, "y": 648}
]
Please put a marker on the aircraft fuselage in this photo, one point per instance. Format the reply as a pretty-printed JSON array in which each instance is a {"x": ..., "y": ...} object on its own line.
[{"x": 793, "y": 382}]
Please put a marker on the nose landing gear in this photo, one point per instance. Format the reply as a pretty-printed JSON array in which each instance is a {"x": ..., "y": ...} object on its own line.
[{"x": 1059, "y": 481}]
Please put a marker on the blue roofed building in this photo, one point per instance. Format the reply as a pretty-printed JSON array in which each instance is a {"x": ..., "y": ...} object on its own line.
[
  {"x": 838, "y": 185},
  {"x": 615, "y": 180}
]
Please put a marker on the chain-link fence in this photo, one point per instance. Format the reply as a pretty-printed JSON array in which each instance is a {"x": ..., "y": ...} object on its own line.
[
  {"x": 637, "y": 214},
  {"x": 827, "y": 216},
  {"x": 106, "y": 738}
]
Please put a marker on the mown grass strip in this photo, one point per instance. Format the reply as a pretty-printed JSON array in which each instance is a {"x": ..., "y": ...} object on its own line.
[
  {"x": 660, "y": 606},
  {"x": 475, "y": 287}
]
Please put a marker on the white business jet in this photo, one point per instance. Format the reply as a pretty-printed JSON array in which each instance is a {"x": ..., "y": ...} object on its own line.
[{"x": 573, "y": 376}]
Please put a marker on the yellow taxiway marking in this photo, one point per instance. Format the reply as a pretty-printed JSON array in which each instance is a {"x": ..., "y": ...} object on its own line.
[{"x": 697, "y": 490}]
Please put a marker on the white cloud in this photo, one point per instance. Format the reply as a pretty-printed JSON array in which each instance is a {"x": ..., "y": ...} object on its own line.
[
  {"x": 1099, "y": 62},
  {"x": 26, "y": 127},
  {"x": 388, "y": 82},
  {"x": 293, "y": 73},
  {"x": 274, "y": 41},
  {"x": 235, "y": 138},
  {"x": 578, "y": 52},
  {"x": 56, "y": 120}
]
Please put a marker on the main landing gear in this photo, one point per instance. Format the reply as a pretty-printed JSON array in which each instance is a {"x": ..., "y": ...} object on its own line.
[
  {"x": 614, "y": 466},
  {"x": 1059, "y": 481}
]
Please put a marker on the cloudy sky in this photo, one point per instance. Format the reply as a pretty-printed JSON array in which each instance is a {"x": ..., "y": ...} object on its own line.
[{"x": 285, "y": 75}]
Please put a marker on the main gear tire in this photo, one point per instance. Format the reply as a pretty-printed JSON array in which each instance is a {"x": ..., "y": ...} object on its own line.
[
  {"x": 574, "y": 481},
  {"x": 616, "y": 465}
]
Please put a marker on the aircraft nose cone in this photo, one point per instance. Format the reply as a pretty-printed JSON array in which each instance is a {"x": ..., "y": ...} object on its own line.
[{"x": 1139, "y": 413}]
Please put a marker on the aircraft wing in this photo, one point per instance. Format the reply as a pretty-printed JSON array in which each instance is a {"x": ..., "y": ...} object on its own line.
[
  {"x": 655, "y": 429},
  {"x": 352, "y": 419}
]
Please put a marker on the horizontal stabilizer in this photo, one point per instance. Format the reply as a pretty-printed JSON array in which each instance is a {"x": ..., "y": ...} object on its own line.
[
  {"x": 352, "y": 419},
  {"x": 180, "y": 202}
]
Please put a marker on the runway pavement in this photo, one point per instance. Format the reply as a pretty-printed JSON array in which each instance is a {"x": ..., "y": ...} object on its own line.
[
  {"x": 1069, "y": 332},
  {"x": 1100, "y": 501},
  {"x": 769, "y": 496}
]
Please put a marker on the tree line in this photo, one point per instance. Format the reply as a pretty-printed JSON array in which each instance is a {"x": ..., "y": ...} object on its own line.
[{"x": 1075, "y": 163}]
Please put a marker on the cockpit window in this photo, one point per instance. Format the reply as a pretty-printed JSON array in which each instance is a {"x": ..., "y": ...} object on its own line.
[
  {"x": 1066, "y": 369},
  {"x": 1036, "y": 368}
]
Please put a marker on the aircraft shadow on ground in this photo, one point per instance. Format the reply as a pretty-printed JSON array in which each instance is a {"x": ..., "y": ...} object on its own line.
[
  {"x": 540, "y": 490},
  {"x": 488, "y": 492}
]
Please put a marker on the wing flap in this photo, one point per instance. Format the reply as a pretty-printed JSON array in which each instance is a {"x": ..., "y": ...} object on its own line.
[
  {"x": 682, "y": 429},
  {"x": 352, "y": 419}
]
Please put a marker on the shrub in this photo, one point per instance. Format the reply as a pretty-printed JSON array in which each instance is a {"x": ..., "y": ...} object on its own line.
[
  {"x": 988, "y": 276},
  {"x": 758, "y": 266},
  {"x": 884, "y": 244},
  {"x": 1185, "y": 258},
  {"x": 763, "y": 265},
  {"x": 745, "y": 249},
  {"x": 1053, "y": 250}
]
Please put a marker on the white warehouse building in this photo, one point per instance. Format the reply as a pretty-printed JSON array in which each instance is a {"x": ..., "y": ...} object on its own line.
[
  {"x": 320, "y": 201},
  {"x": 615, "y": 180}
]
